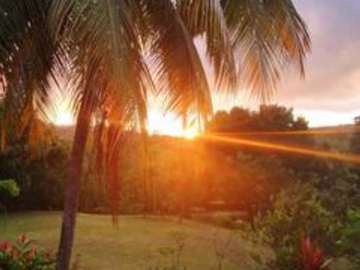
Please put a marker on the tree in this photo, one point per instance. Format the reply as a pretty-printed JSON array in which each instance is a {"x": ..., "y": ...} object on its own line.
[
  {"x": 266, "y": 118},
  {"x": 275, "y": 118},
  {"x": 105, "y": 48}
]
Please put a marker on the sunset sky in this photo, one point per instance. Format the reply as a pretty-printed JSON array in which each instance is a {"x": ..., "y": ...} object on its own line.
[{"x": 330, "y": 93}]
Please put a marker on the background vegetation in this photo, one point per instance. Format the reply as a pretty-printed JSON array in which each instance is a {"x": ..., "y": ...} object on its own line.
[{"x": 261, "y": 193}]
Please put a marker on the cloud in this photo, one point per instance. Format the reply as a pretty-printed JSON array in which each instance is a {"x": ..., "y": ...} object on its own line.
[
  {"x": 333, "y": 68},
  {"x": 330, "y": 95},
  {"x": 320, "y": 118}
]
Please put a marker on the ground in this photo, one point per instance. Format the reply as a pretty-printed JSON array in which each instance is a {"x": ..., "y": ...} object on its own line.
[{"x": 139, "y": 243}]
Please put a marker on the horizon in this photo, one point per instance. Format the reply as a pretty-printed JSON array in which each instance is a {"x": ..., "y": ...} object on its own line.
[{"x": 159, "y": 122}]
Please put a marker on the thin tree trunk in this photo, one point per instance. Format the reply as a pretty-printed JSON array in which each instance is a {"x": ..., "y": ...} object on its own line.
[
  {"x": 184, "y": 159},
  {"x": 145, "y": 171},
  {"x": 72, "y": 191}
]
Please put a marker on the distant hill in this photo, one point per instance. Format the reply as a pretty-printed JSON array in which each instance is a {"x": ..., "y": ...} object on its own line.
[
  {"x": 334, "y": 137},
  {"x": 65, "y": 133}
]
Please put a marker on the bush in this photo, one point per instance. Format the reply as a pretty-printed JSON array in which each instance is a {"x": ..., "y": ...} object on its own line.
[
  {"x": 9, "y": 187},
  {"x": 24, "y": 254},
  {"x": 297, "y": 213},
  {"x": 40, "y": 179},
  {"x": 350, "y": 239},
  {"x": 8, "y": 190}
]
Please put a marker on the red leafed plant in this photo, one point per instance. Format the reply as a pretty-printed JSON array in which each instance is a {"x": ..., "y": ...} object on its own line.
[
  {"x": 24, "y": 254},
  {"x": 312, "y": 257}
]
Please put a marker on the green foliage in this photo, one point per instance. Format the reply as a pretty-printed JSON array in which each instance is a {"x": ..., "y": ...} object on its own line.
[
  {"x": 339, "y": 189},
  {"x": 270, "y": 124},
  {"x": 214, "y": 184},
  {"x": 267, "y": 118},
  {"x": 297, "y": 212},
  {"x": 24, "y": 254},
  {"x": 350, "y": 237},
  {"x": 9, "y": 187},
  {"x": 40, "y": 179},
  {"x": 45, "y": 179}
]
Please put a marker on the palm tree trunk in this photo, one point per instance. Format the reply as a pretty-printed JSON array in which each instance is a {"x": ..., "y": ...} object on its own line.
[{"x": 72, "y": 191}]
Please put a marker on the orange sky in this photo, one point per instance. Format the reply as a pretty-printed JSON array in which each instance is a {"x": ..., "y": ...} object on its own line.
[{"x": 330, "y": 94}]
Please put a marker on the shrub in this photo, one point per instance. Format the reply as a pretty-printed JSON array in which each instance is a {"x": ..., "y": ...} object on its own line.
[
  {"x": 297, "y": 212},
  {"x": 350, "y": 237},
  {"x": 9, "y": 187},
  {"x": 8, "y": 190},
  {"x": 24, "y": 254}
]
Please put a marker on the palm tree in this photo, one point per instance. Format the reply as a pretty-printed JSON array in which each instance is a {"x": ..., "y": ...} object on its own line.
[{"x": 116, "y": 52}]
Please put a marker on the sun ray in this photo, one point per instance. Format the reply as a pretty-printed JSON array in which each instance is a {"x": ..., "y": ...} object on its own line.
[
  {"x": 284, "y": 148},
  {"x": 322, "y": 131}
]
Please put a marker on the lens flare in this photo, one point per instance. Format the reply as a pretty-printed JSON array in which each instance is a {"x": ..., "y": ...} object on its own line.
[
  {"x": 64, "y": 118},
  {"x": 324, "y": 131},
  {"x": 284, "y": 148},
  {"x": 190, "y": 133}
]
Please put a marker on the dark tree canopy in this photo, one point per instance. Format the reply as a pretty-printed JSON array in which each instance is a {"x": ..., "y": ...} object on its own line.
[{"x": 267, "y": 118}]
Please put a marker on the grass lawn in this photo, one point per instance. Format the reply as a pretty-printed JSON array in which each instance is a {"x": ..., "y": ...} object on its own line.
[{"x": 138, "y": 242}]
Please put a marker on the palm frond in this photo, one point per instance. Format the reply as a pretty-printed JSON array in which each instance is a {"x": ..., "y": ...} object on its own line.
[
  {"x": 109, "y": 75},
  {"x": 110, "y": 50},
  {"x": 176, "y": 62},
  {"x": 27, "y": 64},
  {"x": 206, "y": 18},
  {"x": 268, "y": 36}
]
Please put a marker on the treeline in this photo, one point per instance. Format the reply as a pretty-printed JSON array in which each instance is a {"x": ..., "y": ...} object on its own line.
[
  {"x": 267, "y": 118},
  {"x": 160, "y": 174}
]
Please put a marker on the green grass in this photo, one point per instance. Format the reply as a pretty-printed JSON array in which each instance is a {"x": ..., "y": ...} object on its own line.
[{"x": 137, "y": 242}]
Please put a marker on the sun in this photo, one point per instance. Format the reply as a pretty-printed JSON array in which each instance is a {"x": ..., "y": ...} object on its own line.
[
  {"x": 189, "y": 133},
  {"x": 63, "y": 115},
  {"x": 168, "y": 124},
  {"x": 64, "y": 118}
]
